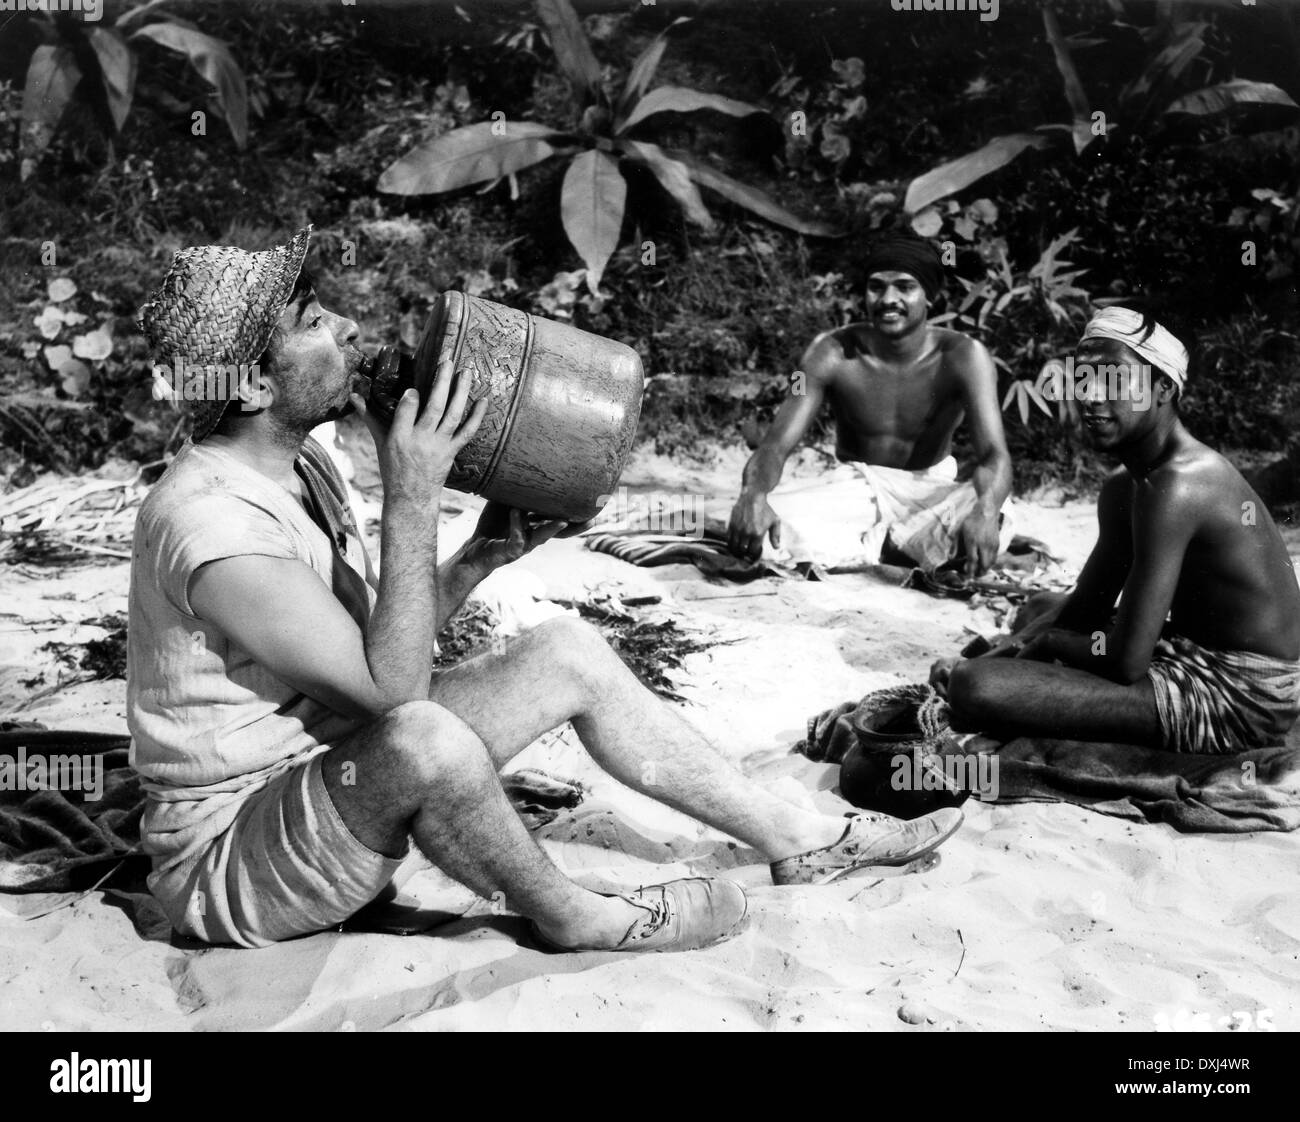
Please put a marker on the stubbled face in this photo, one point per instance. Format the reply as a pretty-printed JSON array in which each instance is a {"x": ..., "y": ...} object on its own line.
[
  {"x": 1120, "y": 409},
  {"x": 315, "y": 364},
  {"x": 896, "y": 303}
]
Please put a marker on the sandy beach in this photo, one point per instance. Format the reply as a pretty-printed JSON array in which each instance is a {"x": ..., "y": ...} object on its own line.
[{"x": 1040, "y": 916}]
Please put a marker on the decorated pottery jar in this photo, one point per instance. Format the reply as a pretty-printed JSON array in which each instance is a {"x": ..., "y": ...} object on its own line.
[{"x": 563, "y": 404}]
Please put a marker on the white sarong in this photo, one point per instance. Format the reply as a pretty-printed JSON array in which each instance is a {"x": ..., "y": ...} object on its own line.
[{"x": 844, "y": 516}]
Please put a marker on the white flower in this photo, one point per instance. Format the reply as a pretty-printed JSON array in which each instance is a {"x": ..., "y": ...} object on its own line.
[
  {"x": 62, "y": 289},
  {"x": 49, "y": 321},
  {"x": 76, "y": 377},
  {"x": 928, "y": 222},
  {"x": 558, "y": 297},
  {"x": 95, "y": 345},
  {"x": 57, "y": 355}
]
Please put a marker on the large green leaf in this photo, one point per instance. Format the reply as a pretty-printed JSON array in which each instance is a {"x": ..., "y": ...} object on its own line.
[
  {"x": 1081, "y": 112},
  {"x": 52, "y": 77},
  {"x": 591, "y": 207},
  {"x": 572, "y": 50},
  {"x": 956, "y": 175},
  {"x": 1184, "y": 45},
  {"x": 133, "y": 15},
  {"x": 473, "y": 154},
  {"x": 117, "y": 67},
  {"x": 674, "y": 177},
  {"x": 679, "y": 99},
  {"x": 1240, "y": 91},
  {"x": 215, "y": 65},
  {"x": 643, "y": 69},
  {"x": 751, "y": 198}
]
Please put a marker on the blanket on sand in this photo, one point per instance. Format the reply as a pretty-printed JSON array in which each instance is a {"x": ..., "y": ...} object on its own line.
[
  {"x": 843, "y": 519},
  {"x": 1240, "y": 793},
  {"x": 706, "y": 549},
  {"x": 57, "y": 836},
  {"x": 60, "y": 837}
]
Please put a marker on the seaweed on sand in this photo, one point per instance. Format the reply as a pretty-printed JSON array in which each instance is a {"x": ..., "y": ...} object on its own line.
[
  {"x": 99, "y": 658},
  {"x": 648, "y": 648}
]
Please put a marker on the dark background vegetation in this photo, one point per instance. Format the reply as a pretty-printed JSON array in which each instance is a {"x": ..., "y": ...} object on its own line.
[{"x": 340, "y": 91}]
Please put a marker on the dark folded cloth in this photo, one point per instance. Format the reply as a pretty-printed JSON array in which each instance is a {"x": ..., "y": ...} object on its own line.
[
  {"x": 706, "y": 548},
  {"x": 64, "y": 840},
  {"x": 1255, "y": 790},
  {"x": 707, "y": 551},
  {"x": 830, "y": 734},
  {"x": 1241, "y": 793}
]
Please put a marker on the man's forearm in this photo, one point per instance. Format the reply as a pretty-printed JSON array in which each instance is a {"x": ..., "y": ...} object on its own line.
[
  {"x": 457, "y": 578},
  {"x": 404, "y": 622},
  {"x": 992, "y": 482},
  {"x": 763, "y": 472},
  {"x": 1092, "y": 652},
  {"x": 1075, "y": 650}
]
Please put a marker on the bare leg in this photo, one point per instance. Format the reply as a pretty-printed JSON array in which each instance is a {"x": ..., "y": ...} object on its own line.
[
  {"x": 421, "y": 771},
  {"x": 1010, "y": 697},
  {"x": 565, "y": 671}
]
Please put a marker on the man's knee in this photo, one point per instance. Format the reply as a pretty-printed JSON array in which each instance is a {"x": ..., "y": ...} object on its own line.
[
  {"x": 972, "y": 691},
  {"x": 574, "y": 649},
  {"x": 430, "y": 748}
]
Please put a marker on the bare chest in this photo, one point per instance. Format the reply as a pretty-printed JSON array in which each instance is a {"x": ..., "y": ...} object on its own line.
[{"x": 876, "y": 399}]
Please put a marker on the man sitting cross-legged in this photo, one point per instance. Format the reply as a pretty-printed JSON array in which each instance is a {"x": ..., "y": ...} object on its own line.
[
  {"x": 283, "y": 714},
  {"x": 1203, "y": 654},
  {"x": 898, "y": 387}
]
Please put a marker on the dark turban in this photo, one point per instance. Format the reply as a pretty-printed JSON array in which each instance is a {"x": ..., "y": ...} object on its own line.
[{"x": 900, "y": 253}]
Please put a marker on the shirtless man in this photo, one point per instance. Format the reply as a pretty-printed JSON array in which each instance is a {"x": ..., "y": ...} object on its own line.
[
  {"x": 290, "y": 735},
  {"x": 1203, "y": 654},
  {"x": 898, "y": 389}
]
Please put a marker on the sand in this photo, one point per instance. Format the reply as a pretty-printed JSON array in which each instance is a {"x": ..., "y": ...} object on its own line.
[{"x": 1037, "y": 916}]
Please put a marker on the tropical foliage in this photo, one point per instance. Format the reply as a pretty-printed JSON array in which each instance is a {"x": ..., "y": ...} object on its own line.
[
  {"x": 81, "y": 60},
  {"x": 1150, "y": 101},
  {"x": 609, "y": 137}
]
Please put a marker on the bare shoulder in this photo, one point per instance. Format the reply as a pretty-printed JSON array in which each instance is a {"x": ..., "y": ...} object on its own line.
[
  {"x": 1190, "y": 479},
  {"x": 964, "y": 356},
  {"x": 826, "y": 354},
  {"x": 957, "y": 344}
]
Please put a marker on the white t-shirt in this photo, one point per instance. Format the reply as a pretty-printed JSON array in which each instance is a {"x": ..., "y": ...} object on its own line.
[{"x": 209, "y": 726}]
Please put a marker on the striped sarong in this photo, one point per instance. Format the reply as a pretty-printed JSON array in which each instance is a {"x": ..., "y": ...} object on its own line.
[{"x": 1220, "y": 702}]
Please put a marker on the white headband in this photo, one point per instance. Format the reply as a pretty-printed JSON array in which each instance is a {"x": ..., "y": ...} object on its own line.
[{"x": 1161, "y": 348}]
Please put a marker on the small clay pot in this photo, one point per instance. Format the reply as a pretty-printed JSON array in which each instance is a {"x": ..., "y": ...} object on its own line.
[
  {"x": 563, "y": 410},
  {"x": 866, "y": 781},
  {"x": 869, "y": 767}
]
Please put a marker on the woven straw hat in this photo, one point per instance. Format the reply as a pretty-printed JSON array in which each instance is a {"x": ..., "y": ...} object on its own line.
[{"x": 218, "y": 306}]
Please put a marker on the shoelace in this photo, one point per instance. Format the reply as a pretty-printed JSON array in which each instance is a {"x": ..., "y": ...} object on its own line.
[
  {"x": 853, "y": 845},
  {"x": 660, "y": 912}
]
